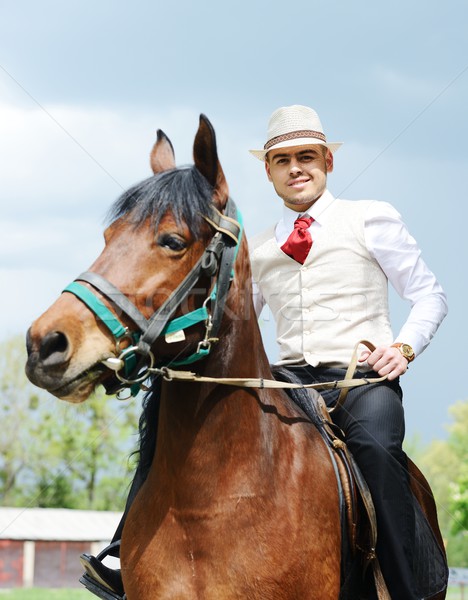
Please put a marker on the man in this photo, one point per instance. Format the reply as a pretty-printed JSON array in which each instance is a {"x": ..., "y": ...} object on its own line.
[{"x": 323, "y": 272}]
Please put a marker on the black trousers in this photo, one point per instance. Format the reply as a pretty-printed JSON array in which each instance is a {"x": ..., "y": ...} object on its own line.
[{"x": 372, "y": 420}]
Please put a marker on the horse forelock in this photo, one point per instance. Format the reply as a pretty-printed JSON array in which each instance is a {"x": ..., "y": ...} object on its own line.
[{"x": 183, "y": 191}]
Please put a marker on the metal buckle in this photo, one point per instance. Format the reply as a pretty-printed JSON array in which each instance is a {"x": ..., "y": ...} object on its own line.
[
  {"x": 145, "y": 374},
  {"x": 127, "y": 337},
  {"x": 206, "y": 342}
]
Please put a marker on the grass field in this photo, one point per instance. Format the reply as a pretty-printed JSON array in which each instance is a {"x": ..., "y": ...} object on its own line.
[
  {"x": 46, "y": 594},
  {"x": 65, "y": 594}
]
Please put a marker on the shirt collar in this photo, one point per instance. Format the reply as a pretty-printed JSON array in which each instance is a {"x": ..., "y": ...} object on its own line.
[{"x": 316, "y": 211}]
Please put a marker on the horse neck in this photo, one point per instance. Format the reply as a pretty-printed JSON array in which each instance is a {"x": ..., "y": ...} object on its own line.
[
  {"x": 238, "y": 353},
  {"x": 201, "y": 425}
]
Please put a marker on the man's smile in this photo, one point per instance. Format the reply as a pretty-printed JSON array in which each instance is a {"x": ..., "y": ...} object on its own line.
[{"x": 298, "y": 182}]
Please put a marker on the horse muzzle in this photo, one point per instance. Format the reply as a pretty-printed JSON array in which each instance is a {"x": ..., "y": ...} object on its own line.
[{"x": 49, "y": 366}]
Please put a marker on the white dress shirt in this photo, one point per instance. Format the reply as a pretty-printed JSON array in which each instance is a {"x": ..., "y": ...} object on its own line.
[{"x": 391, "y": 245}]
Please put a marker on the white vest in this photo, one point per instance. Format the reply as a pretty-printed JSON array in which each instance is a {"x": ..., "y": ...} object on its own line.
[{"x": 338, "y": 297}]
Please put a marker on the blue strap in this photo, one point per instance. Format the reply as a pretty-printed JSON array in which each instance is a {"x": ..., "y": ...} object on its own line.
[
  {"x": 192, "y": 318},
  {"x": 188, "y": 360},
  {"x": 196, "y": 316},
  {"x": 97, "y": 307}
]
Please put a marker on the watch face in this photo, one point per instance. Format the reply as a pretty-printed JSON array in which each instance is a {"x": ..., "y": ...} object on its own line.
[{"x": 407, "y": 351}]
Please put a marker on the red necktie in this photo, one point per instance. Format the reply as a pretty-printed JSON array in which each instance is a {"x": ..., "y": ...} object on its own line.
[{"x": 299, "y": 242}]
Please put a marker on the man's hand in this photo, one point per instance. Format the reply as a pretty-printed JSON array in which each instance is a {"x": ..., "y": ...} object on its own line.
[{"x": 386, "y": 360}]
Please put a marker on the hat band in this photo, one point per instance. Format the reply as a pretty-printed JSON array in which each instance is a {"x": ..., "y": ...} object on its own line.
[{"x": 294, "y": 135}]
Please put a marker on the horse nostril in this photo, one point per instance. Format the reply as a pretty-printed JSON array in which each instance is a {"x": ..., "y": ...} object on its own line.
[
  {"x": 29, "y": 343},
  {"x": 53, "y": 348}
]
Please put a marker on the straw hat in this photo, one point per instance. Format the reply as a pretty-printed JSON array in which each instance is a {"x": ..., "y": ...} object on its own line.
[{"x": 294, "y": 126}]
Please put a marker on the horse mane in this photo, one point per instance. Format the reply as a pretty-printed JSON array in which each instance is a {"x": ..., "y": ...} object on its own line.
[
  {"x": 183, "y": 191},
  {"x": 148, "y": 427}
]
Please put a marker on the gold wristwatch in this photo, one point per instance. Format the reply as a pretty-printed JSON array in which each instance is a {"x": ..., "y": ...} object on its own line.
[{"x": 406, "y": 351}]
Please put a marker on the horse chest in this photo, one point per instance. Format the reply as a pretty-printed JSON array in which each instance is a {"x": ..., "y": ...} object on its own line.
[{"x": 240, "y": 550}]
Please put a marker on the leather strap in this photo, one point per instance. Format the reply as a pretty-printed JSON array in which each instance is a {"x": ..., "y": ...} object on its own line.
[
  {"x": 160, "y": 318},
  {"x": 115, "y": 296},
  {"x": 260, "y": 383},
  {"x": 351, "y": 369},
  {"x": 98, "y": 308},
  {"x": 208, "y": 264},
  {"x": 173, "y": 375},
  {"x": 226, "y": 224},
  {"x": 226, "y": 265}
]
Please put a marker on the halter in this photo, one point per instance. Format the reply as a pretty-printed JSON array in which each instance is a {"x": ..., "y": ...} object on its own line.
[{"x": 137, "y": 360}]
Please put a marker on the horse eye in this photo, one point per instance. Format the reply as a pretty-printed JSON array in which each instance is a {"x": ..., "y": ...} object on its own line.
[{"x": 172, "y": 242}]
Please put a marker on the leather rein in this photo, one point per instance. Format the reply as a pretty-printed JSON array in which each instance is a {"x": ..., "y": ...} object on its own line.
[{"x": 342, "y": 384}]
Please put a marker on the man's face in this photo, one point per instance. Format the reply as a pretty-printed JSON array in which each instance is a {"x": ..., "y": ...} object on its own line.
[{"x": 299, "y": 174}]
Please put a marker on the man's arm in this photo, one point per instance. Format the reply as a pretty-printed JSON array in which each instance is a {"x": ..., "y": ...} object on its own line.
[{"x": 399, "y": 256}]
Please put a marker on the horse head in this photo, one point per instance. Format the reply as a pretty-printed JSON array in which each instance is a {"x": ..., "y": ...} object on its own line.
[{"x": 160, "y": 261}]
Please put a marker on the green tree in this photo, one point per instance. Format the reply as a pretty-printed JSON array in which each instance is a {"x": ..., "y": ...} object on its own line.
[
  {"x": 57, "y": 454},
  {"x": 459, "y": 487},
  {"x": 445, "y": 465},
  {"x": 459, "y": 502},
  {"x": 18, "y": 403}
]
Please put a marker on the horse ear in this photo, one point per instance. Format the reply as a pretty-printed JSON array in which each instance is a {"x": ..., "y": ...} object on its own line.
[
  {"x": 206, "y": 160},
  {"x": 162, "y": 155}
]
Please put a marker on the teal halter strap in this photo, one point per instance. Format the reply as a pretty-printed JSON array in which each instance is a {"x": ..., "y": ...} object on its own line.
[{"x": 98, "y": 308}]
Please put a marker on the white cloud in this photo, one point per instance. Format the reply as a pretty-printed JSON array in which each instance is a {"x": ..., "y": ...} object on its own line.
[
  {"x": 49, "y": 241},
  {"x": 63, "y": 158}
]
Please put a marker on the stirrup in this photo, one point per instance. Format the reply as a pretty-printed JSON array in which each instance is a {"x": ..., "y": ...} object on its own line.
[
  {"x": 108, "y": 551},
  {"x": 95, "y": 581},
  {"x": 98, "y": 590}
]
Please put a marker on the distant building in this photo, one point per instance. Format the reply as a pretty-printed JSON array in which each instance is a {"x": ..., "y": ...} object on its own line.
[{"x": 40, "y": 547}]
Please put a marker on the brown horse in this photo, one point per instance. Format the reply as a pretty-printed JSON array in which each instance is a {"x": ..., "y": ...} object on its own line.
[{"x": 241, "y": 499}]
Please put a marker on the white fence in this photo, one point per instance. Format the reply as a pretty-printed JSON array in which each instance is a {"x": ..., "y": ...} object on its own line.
[{"x": 459, "y": 577}]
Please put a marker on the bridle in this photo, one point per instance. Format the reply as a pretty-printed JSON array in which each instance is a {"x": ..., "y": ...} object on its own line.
[{"x": 135, "y": 360}]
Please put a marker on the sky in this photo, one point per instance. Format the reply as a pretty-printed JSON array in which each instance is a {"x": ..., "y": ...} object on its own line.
[{"x": 85, "y": 85}]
